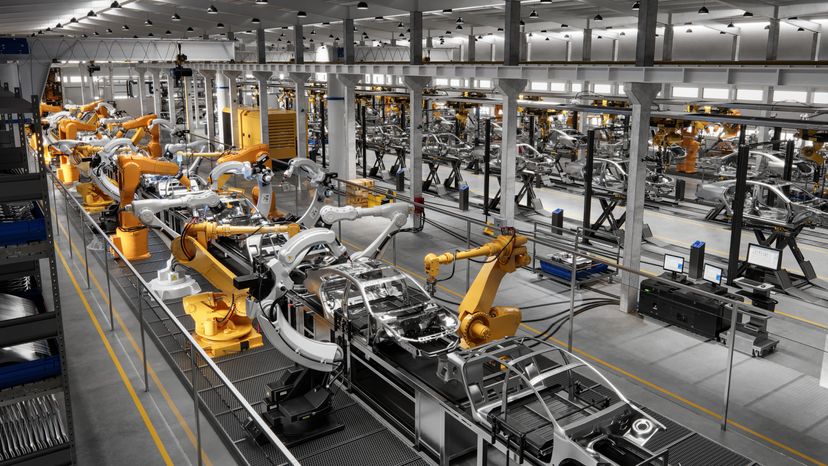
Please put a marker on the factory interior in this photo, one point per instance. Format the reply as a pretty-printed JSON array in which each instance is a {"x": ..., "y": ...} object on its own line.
[{"x": 394, "y": 232}]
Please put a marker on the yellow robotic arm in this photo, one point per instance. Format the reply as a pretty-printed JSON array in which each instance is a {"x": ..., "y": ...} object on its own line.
[
  {"x": 248, "y": 154},
  {"x": 480, "y": 322},
  {"x": 131, "y": 236}
]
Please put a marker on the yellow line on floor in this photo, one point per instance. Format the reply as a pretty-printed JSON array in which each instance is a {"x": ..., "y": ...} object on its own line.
[
  {"x": 161, "y": 388},
  {"x": 130, "y": 389},
  {"x": 638, "y": 379}
]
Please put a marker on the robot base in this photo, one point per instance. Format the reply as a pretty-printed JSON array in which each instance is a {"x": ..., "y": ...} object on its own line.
[
  {"x": 94, "y": 201},
  {"x": 67, "y": 173},
  {"x": 221, "y": 325},
  {"x": 132, "y": 243}
]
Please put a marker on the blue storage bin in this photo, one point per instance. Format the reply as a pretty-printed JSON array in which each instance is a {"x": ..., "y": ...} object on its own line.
[
  {"x": 24, "y": 231},
  {"x": 565, "y": 273}
]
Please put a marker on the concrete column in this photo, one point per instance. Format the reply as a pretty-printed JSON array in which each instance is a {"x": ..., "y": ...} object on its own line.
[
  {"x": 815, "y": 42},
  {"x": 342, "y": 157},
  {"x": 615, "y": 43},
  {"x": 667, "y": 45},
  {"x": 155, "y": 75},
  {"x": 415, "y": 85},
  {"x": 82, "y": 85},
  {"x": 301, "y": 109},
  {"x": 233, "y": 103},
  {"x": 222, "y": 101},
  {"x": 512, "y": 34},
  {"x": 772, "y": 51},
  {"x": 586, "y": 48},
  {"x": 735, "y": 47},
  {"x": 186, "y": 90},
  {"x": 510, "y": 88},
  {"x": 641, "y": 96},
  {"x": 299, "y": 43},
  {"x": 261, "y": 47},
  {"x": 210, "y": 117},
  {"x": 264, "y": 117},
  {"x": 415, "y": 52},
  {"x": 91, "y": 83},
  {"x": 349, "y": 82},
  {"x": 470, "y": 48},
  {"x": 524, "y": 47},
  {"x": 492, "y": 52},
  {"x": 111, "y": 94},
  {"x": 568, "y": 50},
  {"x": 171, "y": 97},
  {"x": 142, "y": 72},
  {"x": 348, "y": 40}
]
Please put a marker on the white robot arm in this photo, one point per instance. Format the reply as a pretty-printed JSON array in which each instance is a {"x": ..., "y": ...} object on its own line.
[
  {"x": 308, "y": 168},
  {"x": 397, "y": 213},
  {"x": 67, "y": 145},
  {"x": 146, "y": 209},
  {"x": 195, "y": 146},
  {"x": 248, "y": 171},
  {"x": 115, "y": 145},
  {"x": 310, "y": 353},
  {"x": 242, "y": 168}
]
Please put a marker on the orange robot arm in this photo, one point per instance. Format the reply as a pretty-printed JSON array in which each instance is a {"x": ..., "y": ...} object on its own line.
[
  {"x": 131, "y": 168},
  {"x": 249, "y": 154},
  {"x": 68, "y": 129}
]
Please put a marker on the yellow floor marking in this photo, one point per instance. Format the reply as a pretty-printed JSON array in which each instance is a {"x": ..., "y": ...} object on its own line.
[
  {"x": 161, "y": 388},
  {"x": 638, "y": 379},
  {"x": 130, "y": 389}
]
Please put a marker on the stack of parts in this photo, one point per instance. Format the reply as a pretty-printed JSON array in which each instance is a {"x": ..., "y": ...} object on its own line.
[{"x": 31, "y": 425}]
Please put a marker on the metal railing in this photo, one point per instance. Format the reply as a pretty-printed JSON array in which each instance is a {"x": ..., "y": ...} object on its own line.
[{"x": 191, "y": 346}]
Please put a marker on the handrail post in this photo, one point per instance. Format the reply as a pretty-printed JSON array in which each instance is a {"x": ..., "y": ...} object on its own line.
[
  {"x": 731, "y": 347},
  {"x": 572, "y": 284},
  {"x": 143, "y": 337},
  {"x": 196, "y": 403}
]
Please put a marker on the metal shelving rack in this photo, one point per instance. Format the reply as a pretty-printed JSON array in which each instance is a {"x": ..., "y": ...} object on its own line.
[{"x": 41, "y": 432}]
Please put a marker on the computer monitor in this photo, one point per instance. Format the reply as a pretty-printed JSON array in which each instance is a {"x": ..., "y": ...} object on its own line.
[
  {"x": 673, "y": 264},
  {"x": 712, "y": 274},
  {"x": 767, "y": 258}
]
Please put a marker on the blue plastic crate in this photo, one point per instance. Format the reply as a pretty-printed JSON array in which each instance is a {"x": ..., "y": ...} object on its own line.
[
  {"x": 24, "y": 231},
  {"x": 565, "y": 273},
  {"x": 29, "y": 371}
]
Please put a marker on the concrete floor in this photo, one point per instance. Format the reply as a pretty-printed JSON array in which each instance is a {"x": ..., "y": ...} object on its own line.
[{"x": 115, "y": 421}]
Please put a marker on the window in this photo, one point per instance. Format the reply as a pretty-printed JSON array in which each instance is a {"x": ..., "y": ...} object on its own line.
[
  {"x": 688, "y": 92},
  {"x": 577, "y": 87},
  {"x": 322, "y": 77},
  {"x": 456, "y": 82},
  {"x": 484, "y": 83},
  {"x": 379, "y": 79},
  {"x": 750, "y": 94},
  {"x": 367, "y": 79},
  {"x": 716, "y": 93},
  {"x": 620, "y": 89},
  {"x": 538, "y": 86},
  {"x": 602, "y": 89},
  {"x": 557, "y": 87},
  {"x": 790, "y": 96},
  {"x": 821, "y": 97},
  {"x": 441, "y": 82}
]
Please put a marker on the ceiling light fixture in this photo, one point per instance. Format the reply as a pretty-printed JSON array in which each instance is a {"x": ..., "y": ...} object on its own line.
[
  {"x": 115, "y": 5},
  {"x": 534, "y": 14},
  {"x": 689, "y": 31},
  {"x": 92, "y": 14},
  {"x": 220, "y": 25},
  {"x": 401, "y": 25},
  {"x": 125, "y": 27},
  {"x": 722, "y": 32},
  {"x": 73, "y": 20},
  {"x": 636, "y": 5},
  {"x": 731, "y": 25},
  {"x": 261, "y": 2},
  {"x": 362, "y": 6},
  {"x": 564, "y": 26},
  {"x": 212, "y": 10},
  {"x": 108, "y": 31},
  {"x": 313, "y": 32},
  {"x": 460, "y": 27},
  {"x": 148, "y": 23},
  {"x": 167, "y": 33},
  {"x": 447, "y": 10},
  {"x": 256, "y": 21},
  {"x": 547, "y": 38},
  {"x": 190, "y": 29},
  {"x": 703, "y": 10},
  {"x": 175, "y": 17},
  {"x": 598, "y": 17},
  {"x": 58, "y": 26},
  {"x": 402, "y": 36},
  {"x": 96, "y": 33},
  {"x": 747, "y": 14},
  {"x": 378, "y": 18},
  {"x": 801, "y": 29},
  {"x": 459, "y": 20},
  {"x": 301, "y": 14},
  {"x": 150, "y": 35},
  {"x": 499, "y": 29}
]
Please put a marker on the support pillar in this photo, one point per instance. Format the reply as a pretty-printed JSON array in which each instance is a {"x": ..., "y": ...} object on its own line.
[
  {"x": 91, "y": 82},
  {"x": 81, "y": 72},
  {"x": 342, "y": 156},
  {"x": 772, "y": 51},
  {"x": 735, "y": 47},
  {"x": 264, "y": 116},
  {"x": 815, "y": 42},
  {"x": 155, "y": 76},
  {"x": 415, "y": 85},
  {"x": 186, "y": 91},
  {"x": 233, "y": 103},
  {"x": 471, "y": 52},
  {"x": 586, "y": 48},
  {"x": 348, "y": 40},
  {"x": 222, "y": 101},
  {"x": 111, "y": 93},
  {"x": 415, "y": 45},
  {"x": 142, "y": 72},
  {"x": 210, "y": 116},
  {"x": 349, "y": 82},
  {"x": 511, "y": 45},
  {"x": 261, "y": 47},
  {"x": 510, "y": 88},
  {"x": 301, "y": 109},
  {"x": 667, "y": 45},
  {"x": 194, "y": 98},
  {"x": 299, "y": 43},
  {"x": 171, "y": 98}
]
